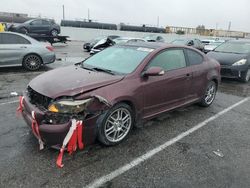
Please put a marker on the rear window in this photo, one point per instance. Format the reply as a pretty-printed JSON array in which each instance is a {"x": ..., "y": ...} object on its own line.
[
  {"x": 194, "y": 58},
  {"x": 7, "y": 38}
]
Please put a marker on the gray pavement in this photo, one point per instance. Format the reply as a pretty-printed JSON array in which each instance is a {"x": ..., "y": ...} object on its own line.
[{"x": 190, "y": 162}]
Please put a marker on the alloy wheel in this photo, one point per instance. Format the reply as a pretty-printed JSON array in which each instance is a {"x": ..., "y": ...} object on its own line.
[
  {"x": 32, "y": 62},
  {"x": 210, "y": 94},
  {"x": 118, "y": 125}
]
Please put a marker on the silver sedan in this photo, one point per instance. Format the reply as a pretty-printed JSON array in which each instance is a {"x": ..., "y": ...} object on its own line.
[{"x": 21, "y": 50}]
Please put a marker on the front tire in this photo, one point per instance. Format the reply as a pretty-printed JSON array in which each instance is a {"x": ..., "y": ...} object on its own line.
[
  {"x": 116, "y": 124},
  {"x": 245, "y": 76},
  {"x": 209, "y": 95},
  {"x": 24, "y": 30},
  {"x": 32, "y": 62}
]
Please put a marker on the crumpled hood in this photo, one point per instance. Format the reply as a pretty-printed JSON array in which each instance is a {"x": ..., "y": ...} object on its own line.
[
  {"x": 226, "y": 58},
  {"x": 70, "y": 81}
]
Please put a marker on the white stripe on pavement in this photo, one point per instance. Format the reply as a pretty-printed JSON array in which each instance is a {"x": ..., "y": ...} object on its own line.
[
  {"x": 104, "y": 179},
  {"x": 10, "y": 102}
]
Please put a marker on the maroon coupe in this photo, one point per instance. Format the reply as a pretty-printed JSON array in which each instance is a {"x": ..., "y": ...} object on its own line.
[{"x": 104, "y": 96}]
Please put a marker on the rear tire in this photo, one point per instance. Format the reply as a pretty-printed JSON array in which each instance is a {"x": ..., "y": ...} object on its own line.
[
  {"x": 32, "y": 62},
  {"x": 54, "y": 32},
  {"x": 209, "y": 95},
  {"x": 116, "y": 124},
  {"x": 245, "y": 76}
]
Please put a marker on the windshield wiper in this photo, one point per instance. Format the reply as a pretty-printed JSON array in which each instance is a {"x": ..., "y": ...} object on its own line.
[{"x": 103, "y": 70}]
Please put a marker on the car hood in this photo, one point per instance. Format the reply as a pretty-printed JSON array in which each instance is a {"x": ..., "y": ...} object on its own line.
[
  {"x": 70, "y": 81},
  {"x": 226, "y": 58}
]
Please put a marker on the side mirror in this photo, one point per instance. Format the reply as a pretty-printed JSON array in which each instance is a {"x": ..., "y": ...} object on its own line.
[{"x": 154, "y": 71}]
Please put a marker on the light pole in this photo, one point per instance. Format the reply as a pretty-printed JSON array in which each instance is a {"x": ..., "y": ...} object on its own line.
[{"x": 63, "y": 13}]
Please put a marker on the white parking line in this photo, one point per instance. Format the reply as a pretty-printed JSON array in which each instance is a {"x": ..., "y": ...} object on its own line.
[
  {"x": 104, "y": 179},
  {"x": 10, "y": 102}
]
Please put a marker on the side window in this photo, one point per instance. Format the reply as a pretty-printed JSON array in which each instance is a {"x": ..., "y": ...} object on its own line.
[
  {"x": 169, "y": 60},
  {"x": 13, "y": 39},
  {"x": 45, "y": 22},
  {"x": 194, "y": 58},
  {"x": 37, "y": 22}
]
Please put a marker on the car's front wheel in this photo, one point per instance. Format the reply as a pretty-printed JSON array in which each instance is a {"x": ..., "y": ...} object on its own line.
[
  {"x": 32, "y": 62},
  {"x": 24, "y": 30},
  {"x": 116, "y": 124},
  {"x": 245, "y": 76},
  {"x": 209, "y": 95}
]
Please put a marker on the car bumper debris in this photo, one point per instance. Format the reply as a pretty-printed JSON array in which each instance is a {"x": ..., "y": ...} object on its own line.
[{"x": 59, "y": 131}]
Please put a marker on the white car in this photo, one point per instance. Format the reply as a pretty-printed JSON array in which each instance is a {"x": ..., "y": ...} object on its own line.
[{"x": 21, "y": 50}]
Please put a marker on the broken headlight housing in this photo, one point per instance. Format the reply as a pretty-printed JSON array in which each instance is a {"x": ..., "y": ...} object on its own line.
[{"x": 69, "y": 106}]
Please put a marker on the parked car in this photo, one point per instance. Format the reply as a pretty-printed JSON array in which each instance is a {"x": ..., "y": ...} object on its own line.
[
  {"x": 212, "y": 45},
  {"x": 38, "y": 26},
  {"x": 21, "y": 50},
  {"x": 195, "y": 43},
  {"x": 234, "y": 57},
  {"x": 154, "y": 38},
  {"x": 116, "y": 88},
  {"x": 107, "y": 42},
  {"x": 89, "y": 45}
]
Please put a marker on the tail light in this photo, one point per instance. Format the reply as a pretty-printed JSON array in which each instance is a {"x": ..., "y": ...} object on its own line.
[{"x": 50, "y": 48}]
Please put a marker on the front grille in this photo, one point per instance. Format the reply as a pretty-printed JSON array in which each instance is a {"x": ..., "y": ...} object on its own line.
[{"x": 37, "y": 98}]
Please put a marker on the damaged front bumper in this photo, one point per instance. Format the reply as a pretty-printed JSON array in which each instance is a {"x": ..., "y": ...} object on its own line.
[{"x": 53, "y": 127}]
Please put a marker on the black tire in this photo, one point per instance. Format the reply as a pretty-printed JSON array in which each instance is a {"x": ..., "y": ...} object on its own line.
[
  {"x": 24, "y": 30},
  {"x": 209, "y": 94},
  {"x": 245, "y": 76},
  {"x": 105, "y": 131},
  {"x": 32, "y": 62},
  {"x": 54, "y": 32}
]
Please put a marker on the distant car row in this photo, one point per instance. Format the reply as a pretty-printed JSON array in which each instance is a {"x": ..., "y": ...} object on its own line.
[
  {"x": 100, "y": 43},
  {"x": 21, "y": 50}
]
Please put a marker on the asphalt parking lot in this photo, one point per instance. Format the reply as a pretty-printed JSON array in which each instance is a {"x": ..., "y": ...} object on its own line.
[{"x": 203, "y": 147}]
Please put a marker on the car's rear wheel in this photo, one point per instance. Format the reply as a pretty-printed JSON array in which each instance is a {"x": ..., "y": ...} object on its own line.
[
  {"x": 32, "y": 62},
  {"x": 116, "y": 124},
  {"x": 245, "y": 76},
  {"x": 54, "y": 32},
  {"x": 209, "y": 95}
]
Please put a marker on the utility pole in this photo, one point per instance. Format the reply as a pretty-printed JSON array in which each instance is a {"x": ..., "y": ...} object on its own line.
[
  {"x": 88, "y": 14},
  {"x": 158, "y": 20},
  {"x": 229, "y": 26},
  {"x": 63, "y": 13}
]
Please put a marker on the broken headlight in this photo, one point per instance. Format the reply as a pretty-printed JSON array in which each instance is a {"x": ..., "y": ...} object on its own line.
[{"x": 69, "y": 106}]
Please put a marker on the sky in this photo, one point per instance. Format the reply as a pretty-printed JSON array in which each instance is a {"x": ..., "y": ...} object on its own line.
[{"x": 186, "y": 13}]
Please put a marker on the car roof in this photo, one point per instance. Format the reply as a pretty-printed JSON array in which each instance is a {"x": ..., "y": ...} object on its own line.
[
  {"x": 152, "y": 45},
  {"x": 22, "y": 35}
]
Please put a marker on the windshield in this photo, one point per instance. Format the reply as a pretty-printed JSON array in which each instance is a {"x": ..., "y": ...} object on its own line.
[
  {"x": 234, "y": 47},
  {"x": 179, "y": 42},
  {"x": 119, "y": 60},
  {"x": 120, "y": 40}
]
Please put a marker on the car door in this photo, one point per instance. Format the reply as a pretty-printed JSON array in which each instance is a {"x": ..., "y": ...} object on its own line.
[
  {"x": 199, "y": 70},
  {"x": 45, "y": 26},
  {"x": 12, "y": 49},
  {"x": 168, "y": 91},
  {"x": 36, "y": 26}
]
